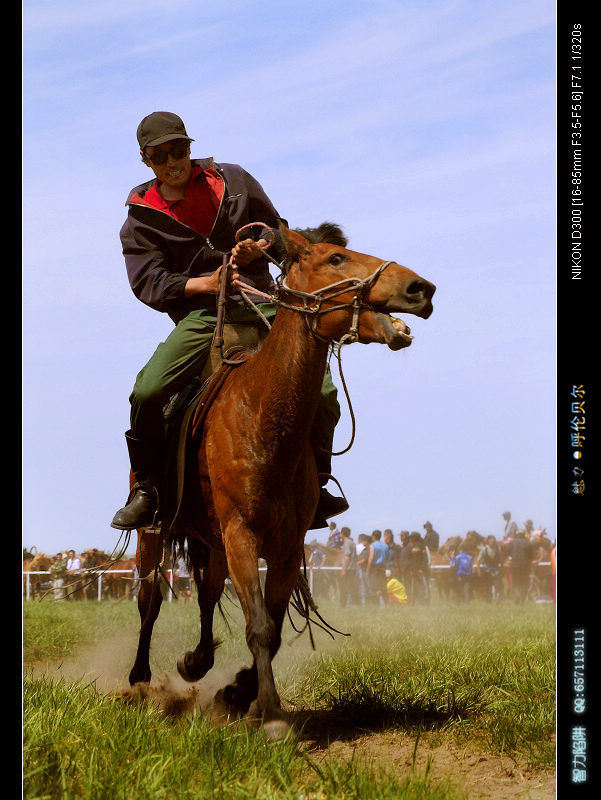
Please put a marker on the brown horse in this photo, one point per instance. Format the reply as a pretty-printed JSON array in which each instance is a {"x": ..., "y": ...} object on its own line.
[
  {"x": 257, "y": 478},
  {"x": 324, "y": 583},
  {"x": 332, "y": 556},
  {"x": 39, "y": 563},
  {"x": 95, "y": 563},
  {"x": 119, "y": 584}
]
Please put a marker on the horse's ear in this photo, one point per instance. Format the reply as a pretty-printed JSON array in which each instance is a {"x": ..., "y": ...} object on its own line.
[{"x": 296, "y": 245}]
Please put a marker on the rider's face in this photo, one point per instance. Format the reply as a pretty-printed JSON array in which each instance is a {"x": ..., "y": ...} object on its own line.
[{"x": 177, "y": 169}]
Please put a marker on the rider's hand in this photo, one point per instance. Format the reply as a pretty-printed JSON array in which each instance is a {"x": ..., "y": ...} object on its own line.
[
  {"x": 209, "y": 284},
  {"x": 232, "y": 275},
  {"x": 246, "y": 251}
]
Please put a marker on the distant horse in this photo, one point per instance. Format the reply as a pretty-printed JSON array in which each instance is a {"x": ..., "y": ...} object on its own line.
[
  {"x": 258, "y": 487},
  {"x": 27, "y": 559},
  {"x": 94, "y": 562},
  {"x": 324, "y": 583},
  {"x": 119, "y": 585},
  {"x": 332, "y": 556},
  {"x": 440, "y": 570},
  {"x": 37, "y": 583}
]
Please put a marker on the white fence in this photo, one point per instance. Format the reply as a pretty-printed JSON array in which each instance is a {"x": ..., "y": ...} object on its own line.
[
  {"x": 90, "y": 576},
  {"x": 170, "y": 576},
  {"x": 168, "y": 572}
]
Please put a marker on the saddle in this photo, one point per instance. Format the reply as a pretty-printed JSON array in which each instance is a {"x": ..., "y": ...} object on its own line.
[{"x": 185, "y": 415}]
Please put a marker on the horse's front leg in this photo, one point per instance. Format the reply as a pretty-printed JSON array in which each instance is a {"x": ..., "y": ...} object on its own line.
[
  {"x": 279, "y": 585},
  {"x": 263, "y": 636},
  {"x": 150, "y": 599},
  {"x": 148, "y": 557},
  {"x": 194, "y": 665}
]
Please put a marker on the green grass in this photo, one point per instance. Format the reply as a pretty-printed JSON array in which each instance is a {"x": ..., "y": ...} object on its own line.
[
  {"x": 80, "y": 744},
  {"x": 478, "y": 674},
  {"x": 482, "y": 673}
]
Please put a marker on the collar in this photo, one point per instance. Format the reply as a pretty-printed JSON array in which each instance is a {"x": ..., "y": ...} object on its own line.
[{"x": 200, "y": 166}]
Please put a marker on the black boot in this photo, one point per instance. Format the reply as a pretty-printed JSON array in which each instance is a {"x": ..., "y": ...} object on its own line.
[
  {"x": 331, "y": 506},
  {"x": 143, "y": 501},
  {"x": 140, "y": 509},
  {"x": 328, "y": 505}
]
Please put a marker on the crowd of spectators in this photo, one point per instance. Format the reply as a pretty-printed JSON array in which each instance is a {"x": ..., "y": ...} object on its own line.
[{"x": 379, "y": 570}]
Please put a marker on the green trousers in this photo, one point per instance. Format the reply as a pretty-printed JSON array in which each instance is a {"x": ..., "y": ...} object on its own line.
[{"x": 180, "y": 359}]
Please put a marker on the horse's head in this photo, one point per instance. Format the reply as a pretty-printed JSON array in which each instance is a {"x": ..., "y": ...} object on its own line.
[
  {"x": 40, "y": 562},
  {"x": 350, "y": 296}
]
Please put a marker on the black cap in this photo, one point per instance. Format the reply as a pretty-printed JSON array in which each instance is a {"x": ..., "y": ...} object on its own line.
[{"x": 160, "y": 127}]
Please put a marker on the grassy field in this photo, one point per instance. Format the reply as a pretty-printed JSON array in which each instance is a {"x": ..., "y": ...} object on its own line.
[{"x": 374, "y": 712}]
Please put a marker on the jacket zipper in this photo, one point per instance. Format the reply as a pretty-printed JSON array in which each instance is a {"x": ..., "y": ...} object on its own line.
[{"x": 219, "y": 209}]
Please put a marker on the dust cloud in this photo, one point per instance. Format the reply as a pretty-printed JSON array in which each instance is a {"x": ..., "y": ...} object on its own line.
[{"x": 106, "y": 665}]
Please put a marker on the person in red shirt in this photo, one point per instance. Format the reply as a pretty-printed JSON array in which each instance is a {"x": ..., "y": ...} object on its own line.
[{"x": 179, "y": 227}]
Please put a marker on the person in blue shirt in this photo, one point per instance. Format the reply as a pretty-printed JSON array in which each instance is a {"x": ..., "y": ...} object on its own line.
[
  {"x": 376, "y": 568},
  {"x": 463, "y": 575}
]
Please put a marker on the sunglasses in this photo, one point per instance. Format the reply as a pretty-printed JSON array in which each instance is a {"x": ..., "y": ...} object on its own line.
[{"x": 159, "y": 157}]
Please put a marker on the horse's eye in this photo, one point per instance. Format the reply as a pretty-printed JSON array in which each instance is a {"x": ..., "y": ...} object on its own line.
[{"x": 336, "y": 259}]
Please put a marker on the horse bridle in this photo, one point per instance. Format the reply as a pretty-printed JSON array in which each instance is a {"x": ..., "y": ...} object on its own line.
[{"x": 312, "y": 303}]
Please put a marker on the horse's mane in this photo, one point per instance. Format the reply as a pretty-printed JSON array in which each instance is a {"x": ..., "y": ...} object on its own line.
[{"x": 326, "y": 233}]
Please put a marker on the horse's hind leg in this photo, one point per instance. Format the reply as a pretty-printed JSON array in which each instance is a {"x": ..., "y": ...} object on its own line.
[
  {"x": 194, "y": 665},
  {"x": 150, "y": 599}
]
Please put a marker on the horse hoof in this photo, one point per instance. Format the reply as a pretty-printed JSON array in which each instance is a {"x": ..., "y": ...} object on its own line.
[
  {"x": 233, "y": 699},
  {"x": 139, "y": 677},
  {"x": 276, "y": 730},
  {"x": 185, "y": 668}
]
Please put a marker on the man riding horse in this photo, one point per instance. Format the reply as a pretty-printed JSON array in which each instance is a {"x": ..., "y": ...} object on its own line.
[{"x": 179, "y": 227}]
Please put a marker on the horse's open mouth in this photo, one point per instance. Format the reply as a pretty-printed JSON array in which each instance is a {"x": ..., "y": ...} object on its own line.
[{"x": 396, "y": 332}]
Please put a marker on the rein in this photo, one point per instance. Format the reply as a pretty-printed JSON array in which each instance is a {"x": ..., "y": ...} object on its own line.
[{"x": 93, "y": 571}]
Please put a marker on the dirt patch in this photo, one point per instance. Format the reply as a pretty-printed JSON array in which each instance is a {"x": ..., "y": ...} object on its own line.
[
  {"x": 482, "y": 775},
  {"x": 104, "y": 665}
]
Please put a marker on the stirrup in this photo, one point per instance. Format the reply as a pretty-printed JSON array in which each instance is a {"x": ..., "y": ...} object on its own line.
[
  {"x": 321, "y": 476},
  {"x": 338, "y": 505},
  {"x": 331, "y": 506}
]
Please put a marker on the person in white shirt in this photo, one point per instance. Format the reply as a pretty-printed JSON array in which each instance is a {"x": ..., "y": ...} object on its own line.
[
  {"x": 183, "y": 584},
  {"x": 73, "y": 570},
  {"x": 73, "y": 562}
]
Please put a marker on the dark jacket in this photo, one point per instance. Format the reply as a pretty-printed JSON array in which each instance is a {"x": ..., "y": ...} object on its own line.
[
  {"x": 432, "y": 541},
  {"x": 161, "y": 253},
  {"x": 520, "y": 551}
]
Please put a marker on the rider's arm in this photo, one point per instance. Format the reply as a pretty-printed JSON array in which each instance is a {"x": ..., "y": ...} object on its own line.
[
  {"x": 160, "y": 260},
  {"x": 242, "y": 254}
]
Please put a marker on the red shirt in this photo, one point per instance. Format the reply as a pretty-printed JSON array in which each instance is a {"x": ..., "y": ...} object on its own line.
[{"x": 198, "y": 210}]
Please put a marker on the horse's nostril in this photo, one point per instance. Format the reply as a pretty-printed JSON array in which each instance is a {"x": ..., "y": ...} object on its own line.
[
  {"x": 420, "y": 288},
  {"x": 416, "y": 287}
]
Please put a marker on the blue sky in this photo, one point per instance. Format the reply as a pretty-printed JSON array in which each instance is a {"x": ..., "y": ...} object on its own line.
[{"x": 426, "y": 129}]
